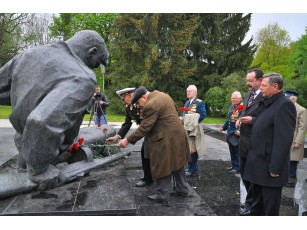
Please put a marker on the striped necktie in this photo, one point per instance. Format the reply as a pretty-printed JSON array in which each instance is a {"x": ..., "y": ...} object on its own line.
[{"x": 251, "y": 98}]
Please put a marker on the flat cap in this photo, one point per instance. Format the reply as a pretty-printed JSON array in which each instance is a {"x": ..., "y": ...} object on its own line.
[
  {"x": 123, "y": 92},
  {"x": 138, "y": 93},
  {"x": 291, "y": 93}
]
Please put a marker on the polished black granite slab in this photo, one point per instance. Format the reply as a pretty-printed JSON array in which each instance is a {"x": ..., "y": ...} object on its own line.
[{"x": 99, "y": 193}]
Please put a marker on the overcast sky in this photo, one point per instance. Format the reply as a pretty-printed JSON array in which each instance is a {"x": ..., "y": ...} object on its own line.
[{"x": 294, "y": 23}]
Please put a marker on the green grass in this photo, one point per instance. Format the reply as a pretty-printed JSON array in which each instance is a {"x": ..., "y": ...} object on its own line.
[
  {"x": 214, "y": 120},
  {"x": 5, "y": 112},
  {"x": 112, "y": 117}
]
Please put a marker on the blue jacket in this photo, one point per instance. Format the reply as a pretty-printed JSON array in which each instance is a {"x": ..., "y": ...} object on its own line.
[
  {"x": 197, "y": 106},
  {"x": 232, "y": 117}
]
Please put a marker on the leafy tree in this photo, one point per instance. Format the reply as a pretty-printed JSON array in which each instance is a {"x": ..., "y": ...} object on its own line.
[
  {"x": 217, "y": 48},
  {"x": 61, "y": 26},
  {"x": 10, "y": 35},
  {"x": 274, "y": 50},
  {"x": 299, "y": 58},
  {"x": 19, "y": 32},
  {"x": 215, "y": 100},
  {"x": 65, "y": 25},
  {"x": 218, "y": 97},
  {"x": 298, "y": 82},
  {"x": 36, "y": 31},
  {"x": 149, "y": 50}
]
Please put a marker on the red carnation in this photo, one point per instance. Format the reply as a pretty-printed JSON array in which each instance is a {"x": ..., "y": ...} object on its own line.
[
  {"x": 99, "y": 124},
  {"x": 80, "y": 140},
  {"x": 75, "y": 146},
  {"x": 240, "y": 107},
  {"x": 183, "y": 109},
  {"x": 70, "y": 148},
  {"x": 105, "y": 130}
]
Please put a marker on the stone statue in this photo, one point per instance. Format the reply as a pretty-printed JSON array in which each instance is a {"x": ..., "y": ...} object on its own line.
[{"x": 49, "y": 88}]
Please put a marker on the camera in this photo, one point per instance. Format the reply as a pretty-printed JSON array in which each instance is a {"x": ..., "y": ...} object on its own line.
[{"x": 97, "y": 96}]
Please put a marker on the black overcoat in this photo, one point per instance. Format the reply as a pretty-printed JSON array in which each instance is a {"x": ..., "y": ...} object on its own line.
[
  {"x": 271, "y": 139},
  {"x": 132, "y": 114}
]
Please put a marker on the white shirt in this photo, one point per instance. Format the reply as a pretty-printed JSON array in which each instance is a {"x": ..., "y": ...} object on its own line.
[
  {"x": 192, "y": 100},
  {"x": 257, "y": 92}
]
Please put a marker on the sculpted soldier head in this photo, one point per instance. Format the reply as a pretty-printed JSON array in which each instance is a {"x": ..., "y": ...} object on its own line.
[{"x": 90, "y": 47}]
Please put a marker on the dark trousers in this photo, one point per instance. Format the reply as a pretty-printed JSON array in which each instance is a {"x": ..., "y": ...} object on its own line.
[
  {"x": 234, "y": 156},
  {"x": 293, "y": 168},
  {"x": 266, "y": 200},
  {"x": 247, "y": 185},
  {"x": 164, "y": 185},
  {"x": 193, "y": 164},
  {"x": 146, "y": 167}
]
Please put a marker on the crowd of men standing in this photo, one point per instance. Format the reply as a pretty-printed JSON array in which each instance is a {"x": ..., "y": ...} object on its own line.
[
  {"x": 270, "y": 127},
  {"x": 267, "y": 125}
]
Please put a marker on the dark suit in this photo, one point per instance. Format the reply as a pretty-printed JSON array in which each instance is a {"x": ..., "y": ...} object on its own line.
[
  {"x": 270, "y": 143},
  {"x": 134, "y": 114},
  {"x": 245, "y": 136}
]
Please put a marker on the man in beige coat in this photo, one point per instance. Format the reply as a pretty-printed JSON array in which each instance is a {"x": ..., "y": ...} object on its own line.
[
  {"x": 167, "y": 143},
  {"x": 297, "y": 148}
]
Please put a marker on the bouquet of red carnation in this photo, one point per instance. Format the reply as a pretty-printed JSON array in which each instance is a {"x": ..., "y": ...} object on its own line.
[
  {"x": 75, "y": 146},
  {"x": 185, "y": 109},
  {"x": 240, "y": 107}
]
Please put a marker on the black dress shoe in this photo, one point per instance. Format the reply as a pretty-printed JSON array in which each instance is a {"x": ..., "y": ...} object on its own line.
[
  {"x": 245, "y": 212},
  {"x": 140, "y": 183},
  {"x": 156, "y": 198},
  {"x": 291, "y": 182},
  {"x": 233, "y": 171}
]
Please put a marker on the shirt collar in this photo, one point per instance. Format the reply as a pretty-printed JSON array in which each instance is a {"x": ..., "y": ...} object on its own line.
[
  {"x": 257, "y": 92},
  {"x": 192, "y": 100}
]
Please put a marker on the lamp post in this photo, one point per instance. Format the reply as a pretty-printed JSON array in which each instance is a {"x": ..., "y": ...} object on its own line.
[{"x": 103, "y": 71}]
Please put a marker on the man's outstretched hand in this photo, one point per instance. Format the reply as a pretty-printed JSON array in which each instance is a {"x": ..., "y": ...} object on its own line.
[{"x": 123, "y": 143}]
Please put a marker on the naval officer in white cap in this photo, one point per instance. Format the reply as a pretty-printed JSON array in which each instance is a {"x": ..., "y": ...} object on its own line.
[{"x": 133, "y": 114}]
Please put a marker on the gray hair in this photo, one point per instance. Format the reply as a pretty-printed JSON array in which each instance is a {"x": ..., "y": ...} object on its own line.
[
  {"x": 193, "y": 87},
  {"x": 237, "y": 93},
  {"x": 275, "y": 78}
]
